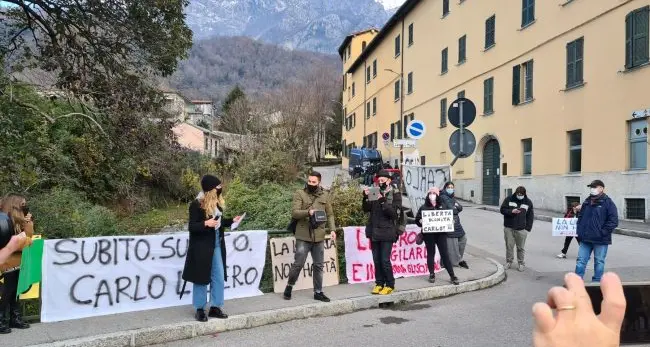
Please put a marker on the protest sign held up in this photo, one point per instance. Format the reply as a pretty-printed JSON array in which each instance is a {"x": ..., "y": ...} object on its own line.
[
  {"x": 438, "y": 221},
  {"x": 565, "y": 227}
]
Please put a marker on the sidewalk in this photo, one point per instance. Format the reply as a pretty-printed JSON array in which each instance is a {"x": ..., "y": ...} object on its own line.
[
  {"x": 627, "y": 228},
  {"x": 177, "y": 323}
]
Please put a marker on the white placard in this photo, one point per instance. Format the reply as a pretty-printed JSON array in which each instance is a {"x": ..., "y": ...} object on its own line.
[
  {"x": 438, "y": 221},
  {"x": 97, "y": 276},
  {"x": 408, "y": 258},
  {"x": 419, "y": 179},
  {"x": 565, "y": 227}
]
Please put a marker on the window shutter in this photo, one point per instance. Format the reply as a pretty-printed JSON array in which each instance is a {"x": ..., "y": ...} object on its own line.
[
  {"x": 516, "y": 85},
  {"x": 628, "y": 40},
  {"x": 640, "y": 37}
]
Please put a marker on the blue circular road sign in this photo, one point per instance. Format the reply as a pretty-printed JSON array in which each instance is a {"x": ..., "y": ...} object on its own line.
[{"x": 416, "y": 129}]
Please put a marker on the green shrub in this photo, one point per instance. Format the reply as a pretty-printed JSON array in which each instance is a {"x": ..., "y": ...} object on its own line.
[
  {"x": 267, "y": 166},
  {"x": 346, "y": 202}
]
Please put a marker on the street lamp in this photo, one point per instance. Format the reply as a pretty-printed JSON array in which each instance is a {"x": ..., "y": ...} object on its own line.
[{"x": 401, "y": 112}]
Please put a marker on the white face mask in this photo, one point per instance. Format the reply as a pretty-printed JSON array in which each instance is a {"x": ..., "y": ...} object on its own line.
[
  {"x": 520, "y": 197},
  {"x": 432, "y": 198},
  {"x": 595, "y": 191}
]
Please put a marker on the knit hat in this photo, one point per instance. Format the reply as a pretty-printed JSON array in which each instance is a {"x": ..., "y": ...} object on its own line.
[{"x": 209, "y": 182}]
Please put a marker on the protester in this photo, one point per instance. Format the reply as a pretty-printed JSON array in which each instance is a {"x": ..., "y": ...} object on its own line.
[
  {"x": 14, "y": 206},
  {"x": 518, "y": 217},
  {"x": 206, "y": 256},
  {"x": 456, "y": 241},
  {"x": 310, "y": 233},
  {"x": 575, "y": 323},
  {"x": 571, "y": 212},
  {"x": 435, "y": 202},
  {"x": 597, "y": 219},
  {"x": 16, "y": 242},
  {"x": 385, "y": 223}
]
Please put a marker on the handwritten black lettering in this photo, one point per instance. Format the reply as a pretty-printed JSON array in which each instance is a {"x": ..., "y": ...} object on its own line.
[
  {"x": 120, "y": 288},
  {"x": 83, "y": 252},
  {"x": 57, "y": 248},
  {"x": 127, "y": 247},
  {"x": 103, "y": 290},
  {"x": 171, "y": 249},
  {"x": 72, "y": 295},
  {"x": 104, "y": 256},
  {"x": 137, "y": 286},
  {"x": 163, "y": 284},
  {"x": 179, "y": 283},
  {"x": 139, "y": 246},
  {"x": 241, "y": 243}
]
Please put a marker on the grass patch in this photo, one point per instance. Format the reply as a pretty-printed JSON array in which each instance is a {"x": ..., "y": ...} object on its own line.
[{"x": 154, "y": 220}]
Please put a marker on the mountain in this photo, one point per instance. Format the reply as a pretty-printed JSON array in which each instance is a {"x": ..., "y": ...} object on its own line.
[
  {"x": 314, "y": 25},
  {"x": 216, "y": 65}
]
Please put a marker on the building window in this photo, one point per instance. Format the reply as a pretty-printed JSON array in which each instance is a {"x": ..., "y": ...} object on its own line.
[
  {"x": 368, "y": 110},
  {"x": 409, "y": 83},
  {"x": 488, "y": 96},
  {"x": 524, "y": 94},
  {"x": 374, "y": 68},
  {"x": 527, "y": 146},
  {"x": 407, "y": 119},
  {"x": 445, "y": 7},
  {"x": 575, "y": 151},
  {"x": 528, "y": 12},
  {"x": 363, "y": 45},
  {"x": 354, "y": 120},
  {"x": 462, "y": 49},
  {"x": 396, "y": 130},
  {"x": 635, "y": 209},
  {"x": 639, "y": 144},
  {"x": 461, "y": 94},
  {"x": 636, "y": 37},
  {"x": 397, "y": 90},
  {"x": 398, "y": 46},
  {"x": 445, "y": 61},
  {"x": 205, "y": 145},
  {"x": 443, "y": 113},
  {"x": 570, "y": 200},
  {"x": 353, "y": 89},
  {"x": 574, "y": 63},
  {"x": 490, "y": 31},
  {"x": 423, "y": 160},
  {"x": 368, "y": 71},
  {"x": 374, "y": 106},
  {"x": 410, "y": 34}
]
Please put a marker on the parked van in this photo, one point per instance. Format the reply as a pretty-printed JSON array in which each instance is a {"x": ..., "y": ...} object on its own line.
[{"x": 363, "y": 160}]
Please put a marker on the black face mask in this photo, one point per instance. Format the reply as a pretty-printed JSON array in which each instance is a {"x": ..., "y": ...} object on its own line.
[
  {"x": 25, "y": 210},
  {"x": 383, "y": 186},
  {"x": 219, "y": 191},
  {"x": 312, "y": 189}
]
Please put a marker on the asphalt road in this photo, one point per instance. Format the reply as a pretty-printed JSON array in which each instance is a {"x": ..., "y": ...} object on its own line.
[{"x": 500, "y": 316}]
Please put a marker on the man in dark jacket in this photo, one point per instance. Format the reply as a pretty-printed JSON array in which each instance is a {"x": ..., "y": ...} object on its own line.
[
  {"x": 310, "y": 238},
  {"x": 597, "y": 219},
  {"x": 518, "y": 217},
  {"x": 385, "y": 223}
]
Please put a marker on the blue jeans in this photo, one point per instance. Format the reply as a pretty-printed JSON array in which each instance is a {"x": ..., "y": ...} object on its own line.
[
  {"x": 200, "y": 291},
  {"x": 584, "y": 253}
]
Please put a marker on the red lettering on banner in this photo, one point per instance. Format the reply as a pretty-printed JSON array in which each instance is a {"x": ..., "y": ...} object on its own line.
[
  {"x": 355, "y": 271},
  {"x": 360, "y": 247},
  {"x": 419, "y": 251},
  {"x": 370, "y": 272}
]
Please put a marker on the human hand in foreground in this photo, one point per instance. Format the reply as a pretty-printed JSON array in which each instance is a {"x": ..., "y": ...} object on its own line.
[{"x": 575, "y": 323}]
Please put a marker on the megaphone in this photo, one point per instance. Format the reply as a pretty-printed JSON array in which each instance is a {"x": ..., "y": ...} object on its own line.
[{"x": 6, "y": 229}]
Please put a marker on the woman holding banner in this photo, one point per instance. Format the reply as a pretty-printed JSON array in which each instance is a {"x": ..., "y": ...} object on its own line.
[
  {"x": 14, "y": 206},
  {"x": 206, "y": 255},
  {"x": 431, "y": 240}
]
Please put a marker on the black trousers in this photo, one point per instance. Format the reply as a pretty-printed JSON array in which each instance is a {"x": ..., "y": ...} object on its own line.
[
  {"x": 567, "y": 242},
  {"x": 381, "y": 252},
  {"x": 8, "y": 297},
  {"x": 431, "y": 240}
]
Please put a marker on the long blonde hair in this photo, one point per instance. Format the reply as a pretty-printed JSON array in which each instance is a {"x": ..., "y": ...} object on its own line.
[
  {"x": 11, "y": 204},
  {"x": 210, "y": 200}
]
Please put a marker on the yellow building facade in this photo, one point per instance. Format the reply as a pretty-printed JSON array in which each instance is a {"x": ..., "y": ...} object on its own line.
[{"x": 560, "y": 89}]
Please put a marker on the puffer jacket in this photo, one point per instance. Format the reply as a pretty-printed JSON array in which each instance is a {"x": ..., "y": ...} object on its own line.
[
  {"x": 597, "y": 220},
  {"x": 449, "y": 203},
  {"x": 519, "y": 221},
  {"x": 384, "y": 216}
]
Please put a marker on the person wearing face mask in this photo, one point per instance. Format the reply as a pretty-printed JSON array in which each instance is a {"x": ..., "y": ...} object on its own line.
[
  {"x": 572, "y": 212},
  {"x": 518, "y": 217},
  {"x": 386, "y": 221},
  {"x": 597, "y": 219},
  {"x": 310, "y": 236},
  {"x": 431, "y": 240},
  {"x": 456, "y": 241},
  {"x": 15, "y": 207}
]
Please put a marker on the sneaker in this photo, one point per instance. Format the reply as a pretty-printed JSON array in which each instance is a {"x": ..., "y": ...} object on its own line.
[
  {"x": 287, "y": 293},
  {"x": 321, "y": 297},
  {"x": 508, "y": 266},
  {"x": 216, "y": 312},
  {"x": 432, "y": 278},
  {"x": 377, "y": 289},
  {"x": 386, "y": 291},
  {"x": 521, "y": 268},
  {"x": 455, "y": 281},
  {"x": 463, "y": 264},
  {"x": 561, "y": 256},
  {"x": 200, "y": 316}
]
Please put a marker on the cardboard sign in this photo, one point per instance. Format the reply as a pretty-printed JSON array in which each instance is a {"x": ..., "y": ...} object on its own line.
[
  {"x": 419, "y": 179},
  {"x": 565, "y": 227},
  {"x": 438, "y": 221},
  {"x": 283, "y": 253}
]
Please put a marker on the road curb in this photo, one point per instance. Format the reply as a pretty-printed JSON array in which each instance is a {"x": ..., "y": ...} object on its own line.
[
  {"x": 620, "y": 231},
  {"x": 186, "y": 330}
]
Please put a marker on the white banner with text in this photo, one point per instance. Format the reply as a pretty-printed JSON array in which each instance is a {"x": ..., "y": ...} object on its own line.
[
  {"x": 95, "y": 276},
  {"x": 419, "y": 179}
]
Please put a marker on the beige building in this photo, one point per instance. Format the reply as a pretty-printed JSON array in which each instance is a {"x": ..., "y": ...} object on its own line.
[{"x": 560, "y": 88}]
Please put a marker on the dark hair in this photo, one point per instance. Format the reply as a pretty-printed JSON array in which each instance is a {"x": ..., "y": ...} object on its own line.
[
  {"x": 317, "y": 175},
  {"x": 450, "y": 183},
  {"x": 520, "y": 190}
]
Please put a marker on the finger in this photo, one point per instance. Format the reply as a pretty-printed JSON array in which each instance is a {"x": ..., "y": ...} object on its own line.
[
  {"x": 544, "y": 321},
  {"x": 613, "y": 307},
  {"x": 563, "y": 301},
  {"x": 576, "y": 286}
]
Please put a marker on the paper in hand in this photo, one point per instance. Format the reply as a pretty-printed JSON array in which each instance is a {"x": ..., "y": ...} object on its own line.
[{"x": 235, "y": 225}]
